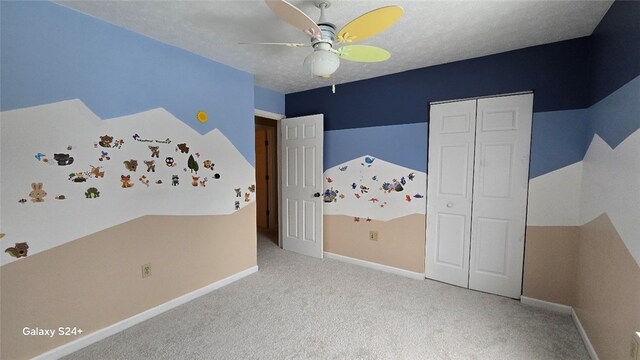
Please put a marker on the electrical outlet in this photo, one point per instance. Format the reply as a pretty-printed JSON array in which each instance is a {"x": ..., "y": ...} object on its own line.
[
  {"x": 373, "y": 235},
  {"x": 146, "y": 270}
]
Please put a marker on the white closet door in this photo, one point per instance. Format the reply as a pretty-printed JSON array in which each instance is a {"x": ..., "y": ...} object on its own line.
[
  {"x": 449, "y": 195},
  {"x": 503, "y": 136}
]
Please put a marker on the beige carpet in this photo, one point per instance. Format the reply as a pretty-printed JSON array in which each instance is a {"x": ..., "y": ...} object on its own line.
[{"x": 298, "y": 307}]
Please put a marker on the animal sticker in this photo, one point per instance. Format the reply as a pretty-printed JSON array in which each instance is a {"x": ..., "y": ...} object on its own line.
[
  {"x": 194, "y": 180},
  {"x": 237, "y": 205},
  {"x": 247, "y": 197},
  {"x": 183, "y": 148},
  {"x": 39, "y": 156},
  {"x": 60, "y": 197},
  {"x": 203, "y": 182},
  {"x": 170, "y": 162},
  {"x": 92, "y": 193},
  {"x": 175, "y": 180},
  {"x": 151, "y": 165},
  {"x": 77, "y": 177},
  {"x": 252, "y": 188},
  {"x": 105, "y": 141},
  {"x": 208, "y": 164},
  {"x": 143, "y": 179},
  {"x": 126, "y": 181},
  {"x": 18, "y": 250},
  {"x": 37, "y": 194},
  {"x": 238, "y": 192},
  {"x": 104, "y": 156},
  {"x": 155, "y": 151},
  {"x": 131, "y": 165},
  {"x": 96, "y": 172},
  {"x": 63, "y": 159}
]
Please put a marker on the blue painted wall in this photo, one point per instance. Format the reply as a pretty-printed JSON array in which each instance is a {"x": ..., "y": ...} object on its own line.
[
  {"x": 567, "y": 77},
  {"x": 556, "y": 72},
  {"x": 615, "y": 49},
  {"x": 405, "y": 145},
  {"x": 51, "y": 53},
  {"x": 269, "y": 100}
]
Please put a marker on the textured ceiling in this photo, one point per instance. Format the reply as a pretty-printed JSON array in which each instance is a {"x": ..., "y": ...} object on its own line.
[{"x": 429, "y": 33}]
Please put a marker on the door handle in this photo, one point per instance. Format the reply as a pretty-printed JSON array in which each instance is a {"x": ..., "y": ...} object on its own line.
[
  {"x": 316, "y": 194},
  {"x": 450, "y": 205}
]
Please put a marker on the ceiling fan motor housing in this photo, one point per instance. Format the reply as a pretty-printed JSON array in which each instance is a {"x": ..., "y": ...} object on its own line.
[{"x": 328, "y": 34}]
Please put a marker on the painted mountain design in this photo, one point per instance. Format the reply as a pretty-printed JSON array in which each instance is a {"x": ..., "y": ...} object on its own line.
[{"x": 368, "y": 187}]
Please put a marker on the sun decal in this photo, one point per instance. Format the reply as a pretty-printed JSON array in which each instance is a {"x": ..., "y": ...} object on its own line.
[{"x": 202, "y": 117}]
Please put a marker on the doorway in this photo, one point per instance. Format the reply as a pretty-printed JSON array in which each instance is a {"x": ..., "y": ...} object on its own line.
[{"x": 266, "y": 177}]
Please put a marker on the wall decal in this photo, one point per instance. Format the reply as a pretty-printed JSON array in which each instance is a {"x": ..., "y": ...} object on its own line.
[
  {"x": 193, "y": 164},
  {"x": 356, "y": 219},
  {"x": 183, "y": 148},
  {"x": 203, "y": 182},
  {"x": 136, "y": 136},
  {"x": 208, "y": 164},
  {"x": 18, "y": 250},
  {"x": 247, "y": 197},
  {"x": 202, "y": 116},
  {"x": 216, "y": 176},
  {"x": 143, "y": 179},
  {"x": 343, "y": 168},
  {"x": 237, "y": 205},
  {"x": 131, "y": 165},
  {"x": 63, "y": 159},
  {"x": 169, "y": 162},
  {"x": 37, "y": 194},
  {"x": 96, "y": 172},
  {"x": 155, "y": 151},
  {"x": 175, "y": 180},
  {"x": 39, "y": 156},
  {"x": 104, "y": 156},
  {"x": 77, "y": 177},
  {"x": 238, "y": 192},
  {"x": 22, "y": 201},
  {"x": 330, "y": 195},
  {"x": 418, "y": 196},
  {"x": 126, "y": 181},
  {"x": 60, "y": 197},
  {"x": 197, "y": 155},
  {"x": 159, "y": 182},
  {"x": 407, "y": 198},
  {"x": 151, "y": 165},
  {"x": 194, "y": 180},
  {"x": 2, "y": 235},
  {"x": 105, "y": 141},
  {"x": 252, "y": 188},
  {"x": 92, "y": 193}
]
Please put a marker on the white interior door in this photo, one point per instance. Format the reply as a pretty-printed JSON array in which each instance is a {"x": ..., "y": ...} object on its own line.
[
  {"x": 503, "y": 137},
  {"x": 301, "y": 149},
  {"x": 449, "y": 195}
]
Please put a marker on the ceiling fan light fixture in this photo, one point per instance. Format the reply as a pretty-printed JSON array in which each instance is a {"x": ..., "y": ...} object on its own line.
[{"x": 322, "y": 63}]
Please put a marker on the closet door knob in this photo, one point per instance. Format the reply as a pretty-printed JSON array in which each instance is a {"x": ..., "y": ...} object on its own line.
[{"x": 450, "y": 205}]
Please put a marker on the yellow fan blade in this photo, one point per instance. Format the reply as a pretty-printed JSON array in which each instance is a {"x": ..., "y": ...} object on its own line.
[
  {"x": 363, "y": 53},
  {"x": 369, "y": 24}
]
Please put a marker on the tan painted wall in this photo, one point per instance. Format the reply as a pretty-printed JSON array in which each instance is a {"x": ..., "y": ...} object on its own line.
[
  {"x": 550, "y": 263},
  {"x": 608, "y": 289},
  {"x": 96, "y": 281},
  {"x": 400, "y": 241}
]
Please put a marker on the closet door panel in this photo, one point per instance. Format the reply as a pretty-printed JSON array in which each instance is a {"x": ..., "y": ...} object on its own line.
[
  {"x": 503, "y": 136},
  {"x": 451, "y": 153}
]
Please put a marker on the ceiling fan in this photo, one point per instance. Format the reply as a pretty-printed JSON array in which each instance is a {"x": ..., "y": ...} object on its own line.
[{"x": 325, "y": 59}]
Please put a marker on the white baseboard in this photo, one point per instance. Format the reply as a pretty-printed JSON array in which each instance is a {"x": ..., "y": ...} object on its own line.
[
  {"x": 583, "y": 335},
  {"x": 551, "y": 306},
  {"x": 376, "y": 266},
  {"x": 103, "y": 333},
  {"x": 563, "y": 309}
]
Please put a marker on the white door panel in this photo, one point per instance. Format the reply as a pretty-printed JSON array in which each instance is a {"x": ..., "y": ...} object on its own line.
[
  {"x": 501, "y": 181},
  {"x": 449, "y": 194},
  {"x": 301, "y": 171}
]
